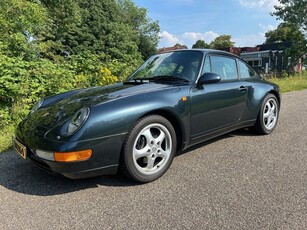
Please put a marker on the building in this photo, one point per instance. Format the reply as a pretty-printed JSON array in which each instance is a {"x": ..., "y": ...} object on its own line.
[
  {"x": 264, "y": 58},
  {"x": 266, "y": 61},
  {"x": 168, "y": 49}
]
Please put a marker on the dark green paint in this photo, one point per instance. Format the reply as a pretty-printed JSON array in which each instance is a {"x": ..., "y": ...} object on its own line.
[{"x": 211, "y": 109}]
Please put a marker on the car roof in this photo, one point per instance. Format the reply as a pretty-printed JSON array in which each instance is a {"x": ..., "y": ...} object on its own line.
[{"x": 206, "y": 51}]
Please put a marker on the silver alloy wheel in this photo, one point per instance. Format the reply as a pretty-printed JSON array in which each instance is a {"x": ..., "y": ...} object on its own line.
[
  {"x": 152, "y": 149},
  {"x": 270, "y": 114}
]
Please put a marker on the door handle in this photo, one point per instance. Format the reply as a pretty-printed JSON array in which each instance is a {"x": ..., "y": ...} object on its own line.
[{"x": 242, "y": 88}]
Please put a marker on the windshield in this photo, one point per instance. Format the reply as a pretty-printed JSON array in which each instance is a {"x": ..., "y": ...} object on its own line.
[{"x": 183, "y": 65}]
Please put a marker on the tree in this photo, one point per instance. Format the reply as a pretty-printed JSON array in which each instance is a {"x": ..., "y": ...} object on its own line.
[
  {"x": 117, "y": 28},
  {"x": 65, "y": 16},
  {"x": 292, "y": 33},
  {"x": 51, "y": 46},
  {"x": 84, "y": 26},
  {"x": 284, "y": 32},
  {"x": 223, "y": 41},
  {"x": 292, "y": 11},
  {"x": 148, "y": 39},
  {"x": 23, "y": 26},
  {"x": 200, "y": 44},
  {"x": 147, "y": 30}
]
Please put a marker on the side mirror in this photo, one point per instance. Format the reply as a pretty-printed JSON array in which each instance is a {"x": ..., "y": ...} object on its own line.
[{"x": 208, "y": 78}]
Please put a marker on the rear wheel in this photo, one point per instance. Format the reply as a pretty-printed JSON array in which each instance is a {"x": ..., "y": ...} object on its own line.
[
  {"x": 268, "y": 115},
  {"x": 149, "y": 149}
]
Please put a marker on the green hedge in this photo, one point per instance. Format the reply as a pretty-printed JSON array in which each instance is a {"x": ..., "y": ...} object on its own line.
[{"x": 22, "y": 82}]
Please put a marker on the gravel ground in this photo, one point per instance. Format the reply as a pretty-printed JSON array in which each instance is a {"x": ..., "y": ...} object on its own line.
[{"x": 238, "y": 181}]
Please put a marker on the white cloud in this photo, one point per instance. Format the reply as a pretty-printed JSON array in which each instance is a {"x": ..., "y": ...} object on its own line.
[
  {"x": 250, "y": 40},
  {"x": 167, "y": 39},
  {"x": 260, "y": 4},
  {"x": 254, "y": 39},
  {"x": 266, "y": 28},
  {"x": 187, "y": 38},
  {"x": 194, "y": 36}
]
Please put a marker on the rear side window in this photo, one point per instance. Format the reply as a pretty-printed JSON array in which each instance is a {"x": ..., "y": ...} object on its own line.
[
  {"x": 245, "y": 71},
  {"x": 225, "y": 67}
]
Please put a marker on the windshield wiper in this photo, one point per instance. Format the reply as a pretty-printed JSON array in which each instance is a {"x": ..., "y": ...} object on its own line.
[
  {"x": 169, "y": 78},
  {"x": 138, "y": 80},
  {"x": 162, "y": 78}
]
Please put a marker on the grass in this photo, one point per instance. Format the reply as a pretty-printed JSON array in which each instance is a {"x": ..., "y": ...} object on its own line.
[
  {"x": 292, "y": 83},
  {"x": 287, "y": 84}
]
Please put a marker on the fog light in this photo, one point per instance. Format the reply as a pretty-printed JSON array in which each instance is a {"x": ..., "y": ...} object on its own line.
[
  {"x": 45, "y": 155},
  {"x": 73, "y": 156}
]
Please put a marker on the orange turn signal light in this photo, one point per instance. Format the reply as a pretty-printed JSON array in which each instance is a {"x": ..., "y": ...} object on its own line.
[
  {"x": 184, "y": 98},
  {"x": 73, "y": 156}
]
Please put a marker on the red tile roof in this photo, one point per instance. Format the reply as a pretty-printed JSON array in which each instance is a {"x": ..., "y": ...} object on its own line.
[{"x": 175, "y": 47}]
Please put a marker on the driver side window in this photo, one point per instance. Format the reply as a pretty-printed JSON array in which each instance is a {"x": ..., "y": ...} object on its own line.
[
  {"x": 245, "y": 71},
  {"x": 225, "y": 67}
]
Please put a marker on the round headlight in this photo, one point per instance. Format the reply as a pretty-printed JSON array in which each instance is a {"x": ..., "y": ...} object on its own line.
[
  {"x": 78, "y": 120},
  {"x": 37, "y": 105}
]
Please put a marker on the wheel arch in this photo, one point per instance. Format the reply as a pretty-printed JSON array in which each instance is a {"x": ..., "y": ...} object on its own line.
[
  {"x": 259, "y": 127},
  {"x": 277, "y": 95},
  {"x": 263, "y": 96},
  {"x": 175, "y": 121}
]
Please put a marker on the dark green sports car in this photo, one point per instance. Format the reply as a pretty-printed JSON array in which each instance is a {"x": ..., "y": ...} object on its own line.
[{"x": 173, "y": 101}]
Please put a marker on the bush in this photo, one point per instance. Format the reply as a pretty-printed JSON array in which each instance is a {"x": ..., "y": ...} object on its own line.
[{"x": 22, "y": 82}]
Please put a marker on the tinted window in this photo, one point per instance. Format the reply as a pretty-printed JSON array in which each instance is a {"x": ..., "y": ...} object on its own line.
[
  {"x": 225, "y": 67},
  {"x": 246, "y": 71},
  {"x": 185, "y": 64}
]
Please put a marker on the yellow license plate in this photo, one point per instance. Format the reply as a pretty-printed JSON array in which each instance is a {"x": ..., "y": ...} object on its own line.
[{"x": 20, "y": 148}]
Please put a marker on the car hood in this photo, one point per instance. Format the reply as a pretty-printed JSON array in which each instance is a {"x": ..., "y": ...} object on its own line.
[
  {"x": 96, "y": 95},
  {"x": 58, "y": 112}
]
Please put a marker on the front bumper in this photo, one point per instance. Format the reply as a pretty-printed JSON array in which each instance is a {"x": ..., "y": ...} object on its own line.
[{"x": 104, "y": 160}]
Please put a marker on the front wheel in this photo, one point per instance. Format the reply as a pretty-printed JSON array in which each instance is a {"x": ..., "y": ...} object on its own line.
[
  {"x": 149, "y": 149},
  {"x": 268, "y": 115}
]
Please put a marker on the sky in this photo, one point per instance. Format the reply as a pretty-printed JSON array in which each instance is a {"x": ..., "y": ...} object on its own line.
[{"x": 186, "y": 21}]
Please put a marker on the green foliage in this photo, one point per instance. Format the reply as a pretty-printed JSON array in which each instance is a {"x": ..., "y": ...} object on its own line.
[
  {"x": 292, "y": 11},
  {"x": 117, "y": 28},
  {"x": 284, "y": 32},
  {"x": 52, "y": 46},
  {"x": 23, "y": 82},
  {"x": 147, "y": 31},
  {"x": 200, "y": 44},
  {"x": 6, "y": 137},
  {"x": 292, "y": 33},
  {"x": 223, "y": 41},
  {"x": 23, "y": 24}
]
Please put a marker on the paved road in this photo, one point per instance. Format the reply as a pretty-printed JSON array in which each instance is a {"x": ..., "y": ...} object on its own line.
[{"x": 239, "y": 181}]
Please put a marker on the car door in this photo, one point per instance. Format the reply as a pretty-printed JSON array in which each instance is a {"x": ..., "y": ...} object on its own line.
[{"x": 217, "y": 106}]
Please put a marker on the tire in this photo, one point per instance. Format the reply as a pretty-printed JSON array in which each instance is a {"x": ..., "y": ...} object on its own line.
[
  {"x": 268, "y": 115},
  {"x": 149, "y": 149}
]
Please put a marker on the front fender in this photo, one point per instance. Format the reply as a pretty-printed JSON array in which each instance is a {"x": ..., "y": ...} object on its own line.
[{"x": 118, "y": 116}]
